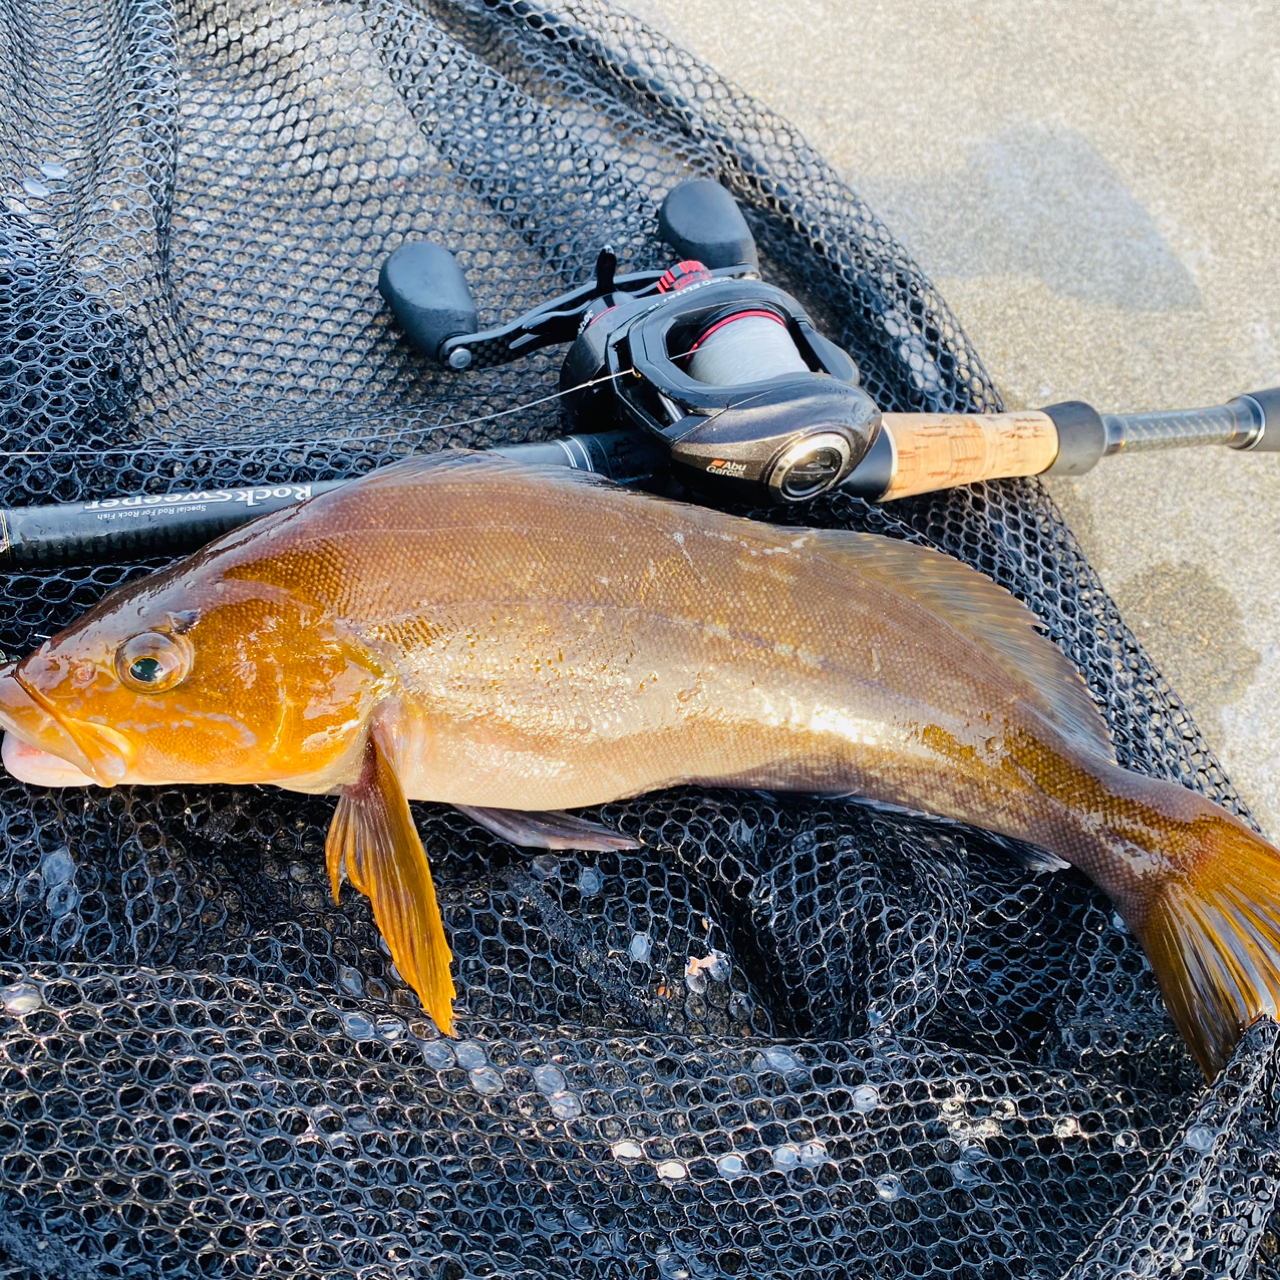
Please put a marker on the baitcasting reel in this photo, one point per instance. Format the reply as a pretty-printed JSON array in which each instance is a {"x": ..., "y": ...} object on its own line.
[
  {"x": 726, "y": 374},
  {"x": 708, "y": 373}
]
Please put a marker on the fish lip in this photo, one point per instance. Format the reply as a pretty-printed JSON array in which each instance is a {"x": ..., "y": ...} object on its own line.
[
  {"x": 27, "y": 717},
  {"x": 40, "y": 769},
  {"x": 106, "y": 771}
]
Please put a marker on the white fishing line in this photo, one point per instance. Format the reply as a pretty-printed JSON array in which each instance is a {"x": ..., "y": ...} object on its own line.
[
  {"x": 199, "y": 451},
  {"x": 748, "y": 346},
  {"x": 196, "y": 451}
]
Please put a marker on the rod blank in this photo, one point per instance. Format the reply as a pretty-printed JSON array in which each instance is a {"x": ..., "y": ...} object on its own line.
[
  {"x": 1240, "y": 424},
  {"x": 914, "y": 453},
  {"x": 143, "y": 525}
]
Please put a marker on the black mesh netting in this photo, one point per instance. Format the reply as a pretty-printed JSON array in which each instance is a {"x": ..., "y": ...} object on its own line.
[{"x": 901, "y": 1054}]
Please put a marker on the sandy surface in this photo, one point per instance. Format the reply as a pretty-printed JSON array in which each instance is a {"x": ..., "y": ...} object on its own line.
[{"x": 1095, "y": 188}]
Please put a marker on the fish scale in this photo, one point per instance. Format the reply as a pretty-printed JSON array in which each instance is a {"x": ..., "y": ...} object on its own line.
[{"x": 519, "y": 641}]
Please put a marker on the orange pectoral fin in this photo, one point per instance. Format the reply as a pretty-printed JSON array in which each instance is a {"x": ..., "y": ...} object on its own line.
[{"x": 374, "y": 839}]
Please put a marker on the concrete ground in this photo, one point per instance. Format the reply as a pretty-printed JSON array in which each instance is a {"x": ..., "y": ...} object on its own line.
[{"x": 1095, "y": 188}]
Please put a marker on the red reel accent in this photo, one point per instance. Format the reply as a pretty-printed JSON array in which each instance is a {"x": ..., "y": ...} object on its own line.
[{"x": 682, "y": 275}]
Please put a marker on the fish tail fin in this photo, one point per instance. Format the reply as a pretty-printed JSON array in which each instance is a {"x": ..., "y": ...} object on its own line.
[
  {"x": 1212, "y": 935},
  {"x": 374, "y": 841}
]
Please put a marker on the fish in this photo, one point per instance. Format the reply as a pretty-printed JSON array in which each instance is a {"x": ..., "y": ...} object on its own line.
[{"x": 521, "y": 642}]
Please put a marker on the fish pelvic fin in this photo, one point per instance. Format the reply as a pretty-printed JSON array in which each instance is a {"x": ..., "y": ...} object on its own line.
[
  {"x": 1213, "y": 937},
  {"x": 549, "y": 829},
  {"x": 373, "y": 840}
]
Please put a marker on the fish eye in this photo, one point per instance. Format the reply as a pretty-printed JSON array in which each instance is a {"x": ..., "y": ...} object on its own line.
[{"x": 153, "y": 661}]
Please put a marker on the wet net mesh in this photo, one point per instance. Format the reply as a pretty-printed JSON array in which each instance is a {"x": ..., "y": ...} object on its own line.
[{"x": 899, "y": 1054}]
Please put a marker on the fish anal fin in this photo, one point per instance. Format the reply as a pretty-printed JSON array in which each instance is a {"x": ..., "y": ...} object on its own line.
[
  {"x": 1035, "y": 860},
  {"x": 1028, "y": 856},
  {"x": 552, "y": 829},
  {"x": 373, "y": 839},
  {"x": 985, "y": 613}
]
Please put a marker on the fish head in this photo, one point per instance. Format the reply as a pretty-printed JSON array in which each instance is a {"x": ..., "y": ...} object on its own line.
[{"x": 192, "y": 678}]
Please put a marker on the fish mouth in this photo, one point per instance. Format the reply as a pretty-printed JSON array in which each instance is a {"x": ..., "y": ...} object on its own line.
[
  {"x": 95, "y": 753},
  {"x": 39, "y": 768}
]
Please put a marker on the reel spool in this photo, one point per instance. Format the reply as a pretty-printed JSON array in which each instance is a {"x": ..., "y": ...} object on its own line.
[
  {"x": 746, "y": 346},
  {"x": 753, "y": 345},
  {"x": 725, "y": 373}
]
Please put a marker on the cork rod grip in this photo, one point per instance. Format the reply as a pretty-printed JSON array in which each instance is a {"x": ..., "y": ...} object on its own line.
[{"x": 941, "y": 450}]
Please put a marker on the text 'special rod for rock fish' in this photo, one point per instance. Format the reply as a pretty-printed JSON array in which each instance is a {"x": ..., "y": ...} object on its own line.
[{"x": 702, "y": 373}]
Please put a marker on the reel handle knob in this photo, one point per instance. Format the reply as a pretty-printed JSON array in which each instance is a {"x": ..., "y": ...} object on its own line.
[
  {"x": 428, "y": 295},
  {"x": 701, "y": 220}
]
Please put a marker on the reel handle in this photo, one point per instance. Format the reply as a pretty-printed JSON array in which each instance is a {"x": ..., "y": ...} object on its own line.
[
  {"x": 428, "y": 295},
  {"x": 702, "y": 221}
]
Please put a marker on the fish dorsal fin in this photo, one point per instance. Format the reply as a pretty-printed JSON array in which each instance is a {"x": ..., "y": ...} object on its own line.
[
  {"x": 374, "y": 841},
  {"x": 983, "y": 612}
]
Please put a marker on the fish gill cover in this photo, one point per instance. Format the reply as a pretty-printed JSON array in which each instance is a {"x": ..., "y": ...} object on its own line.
[{"x": 790, "y": 1038}]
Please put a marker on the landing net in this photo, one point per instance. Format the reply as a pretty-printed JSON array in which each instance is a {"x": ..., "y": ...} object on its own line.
[{"x": 899, "y": 1054}]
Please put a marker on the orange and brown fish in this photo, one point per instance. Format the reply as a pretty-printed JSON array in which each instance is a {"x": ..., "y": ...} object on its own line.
[{"x": 518, "y": 641}]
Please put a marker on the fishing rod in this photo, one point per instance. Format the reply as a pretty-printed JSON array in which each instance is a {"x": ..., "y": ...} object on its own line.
[
  {"x": 911, "y": 454},
  {"x": 139, "y": 525},
  {"x": 700, "y": 373},
  {"x": 731, "y": 378}
]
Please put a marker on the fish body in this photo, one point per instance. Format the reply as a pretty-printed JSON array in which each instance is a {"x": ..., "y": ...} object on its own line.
[{"x": 521, "y": 641}]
